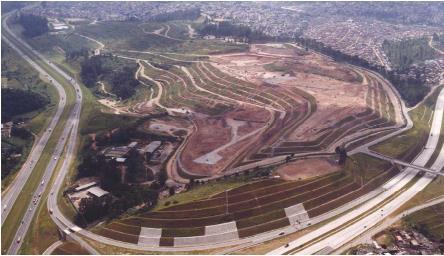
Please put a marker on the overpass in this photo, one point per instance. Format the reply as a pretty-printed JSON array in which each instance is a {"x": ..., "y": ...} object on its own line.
[{"x": 402, "y": 163}]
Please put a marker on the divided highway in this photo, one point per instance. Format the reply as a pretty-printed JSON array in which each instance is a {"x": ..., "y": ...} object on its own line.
[
  {"x": 9, "y": 197},
  {"x": 68, "y": 136}
]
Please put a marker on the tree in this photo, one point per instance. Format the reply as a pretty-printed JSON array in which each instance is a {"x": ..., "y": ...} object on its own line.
[
  {"x": 33, "y": 25},
  {"x": 171, "y": 191}
]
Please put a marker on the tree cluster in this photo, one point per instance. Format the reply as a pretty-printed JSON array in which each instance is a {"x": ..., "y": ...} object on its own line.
[
  {"x": 122, "y": 80},
  {"x": 33, "y": 25},
  {"x": 227, "y": 29},
  {"x": 17, "y": 101},
  {"x": 187, "y": 14},
  {"x": 75, "y": 54},
  {"x": 406, "y": 52}
]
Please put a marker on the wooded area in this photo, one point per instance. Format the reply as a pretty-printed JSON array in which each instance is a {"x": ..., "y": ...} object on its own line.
[
  {"x": 16, "y": 102},
  {"x": 33, "y": 25}
]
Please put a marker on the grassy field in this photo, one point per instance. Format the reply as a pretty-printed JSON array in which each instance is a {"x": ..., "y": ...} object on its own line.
[
  {"x": 429, "y": 221},
  {"x": 202, "y": 191},
  {"x": 403, "y": 144},
  {"x": 70, "y": 248}
]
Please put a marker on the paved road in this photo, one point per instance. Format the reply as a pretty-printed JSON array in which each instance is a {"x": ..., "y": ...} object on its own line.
[
  {"x": 367, "y": 236},
  {"x": 344, "y": 233},
  {"x": 9, "y": 197},
  {"x": 70, "y": 129},
  {"x": 52, "y": 247},
  {"x": 402, "y": 163}
]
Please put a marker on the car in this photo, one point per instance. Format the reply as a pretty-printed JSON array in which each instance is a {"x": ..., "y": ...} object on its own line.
[
  {"x": 50, "y": 211},
  {"x": 19, "y": 239},
  {"x": 282, "y": 233},
  {"x": 40, "y": 194},
  {"x": 55, "y": 158},
  {"x": 287, "y": 245},
  {"x": 43, "y": 182}
]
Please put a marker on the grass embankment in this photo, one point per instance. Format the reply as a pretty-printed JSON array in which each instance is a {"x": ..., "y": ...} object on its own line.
[
  {"x": 20, "y": 75},
  {"x": 428, "y": 221},
  {"x": 70, "y": 248},
  {"x": 409, "y": 143},
  {"x": 13, "y": 221},
  {"x": 201, "y": 192}
]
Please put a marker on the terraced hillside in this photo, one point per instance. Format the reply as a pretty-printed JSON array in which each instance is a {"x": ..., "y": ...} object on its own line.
[
  {"x": 246, "y": 211},
  {"x": 262, "y": 103}
]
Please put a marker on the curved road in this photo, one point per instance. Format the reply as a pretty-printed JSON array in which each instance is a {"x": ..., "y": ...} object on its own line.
[{"x": 350, "y": 225}]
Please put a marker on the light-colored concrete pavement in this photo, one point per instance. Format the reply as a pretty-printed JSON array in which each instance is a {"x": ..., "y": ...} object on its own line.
[
  {"x": 402, "y": 163},
  {"x": 367, "y": 236},
  {"x": 311, "y": 243},
  {"x": 52, "y": 247}
]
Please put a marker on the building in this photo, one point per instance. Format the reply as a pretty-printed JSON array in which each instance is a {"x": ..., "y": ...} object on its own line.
[
  {"x": 6, "y": 130},
  {"x": 97, "y": 192},
  {"x": 85, "y": 186},
  {"x": 149, "y": 149}
]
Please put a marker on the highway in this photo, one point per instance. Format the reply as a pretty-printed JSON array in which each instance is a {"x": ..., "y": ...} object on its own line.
[
  {"x": 69, "y": 131},
  {"x": 367, "y": 236},
  {"x": 350, "y": 225},
  {"x": 9, "y": 197}
]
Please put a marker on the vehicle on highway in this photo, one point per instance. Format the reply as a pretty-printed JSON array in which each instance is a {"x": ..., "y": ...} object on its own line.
[
  {"x": 55, "y": 158},
  {"x": 50, "y": 211},
  {"x": 43, "y": 182},
  {"x": 19, "y": 239}
]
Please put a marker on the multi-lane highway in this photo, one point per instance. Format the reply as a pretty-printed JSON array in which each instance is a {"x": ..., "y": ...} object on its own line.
[
  {"x": 348, "y": 226},
  {"x": 9, "y": 197},
  {"x": 68, "y": 136}
]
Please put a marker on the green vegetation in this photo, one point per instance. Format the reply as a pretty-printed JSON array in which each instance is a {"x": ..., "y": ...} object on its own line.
[
  {"x": 408, "y": 144},
  {"x": 200, "y": 192},
  {"x": 13, "y": 221},
  {"x": 70, "y": 248},
  {"x": 409, "y": 51},
  {"x": 428, "y": 221},
  {"x": 107, "y": 68},
  {"x": 238, "y": 32},
  {"x": 33, "y": 25},
  {"x": 111, "y": 34},
  {"x": 187, "y": 14},
  {"x": 20, "y": 81},
  {"x": 16, "y": 102}
]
